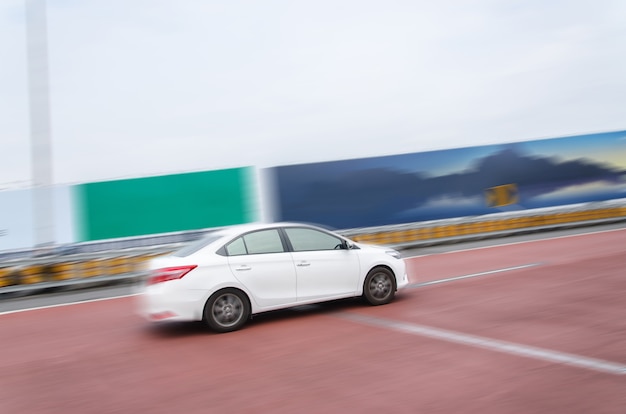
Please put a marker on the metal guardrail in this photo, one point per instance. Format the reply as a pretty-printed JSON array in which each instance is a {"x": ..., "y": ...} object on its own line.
[
  {"x": 106, "y": 246},
  {"x": 83, "y": 270},
  {"x": 103, "y": 280},
  {"x": 491, "y": 225},
  {"x": 118, "y": 261}
]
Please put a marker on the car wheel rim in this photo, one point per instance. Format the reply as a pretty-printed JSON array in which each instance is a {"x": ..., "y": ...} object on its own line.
[
  {"x": 380, "y": 286},
  {"x": 227, "y": 310}
]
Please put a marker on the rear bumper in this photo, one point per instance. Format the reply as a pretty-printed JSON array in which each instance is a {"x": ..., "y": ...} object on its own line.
[{"x": 159, "y": 303}]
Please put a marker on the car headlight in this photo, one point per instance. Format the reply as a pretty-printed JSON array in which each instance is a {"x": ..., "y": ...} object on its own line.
[{"x": 393, "y": 253}]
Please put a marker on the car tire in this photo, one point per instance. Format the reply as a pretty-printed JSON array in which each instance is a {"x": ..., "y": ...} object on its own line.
[
  {"x": 380, "y": 286},
  {"x": 227, "y": 310}
]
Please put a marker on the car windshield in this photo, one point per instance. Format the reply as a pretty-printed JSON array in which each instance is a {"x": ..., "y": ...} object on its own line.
[{"x": 194, "y": 246}]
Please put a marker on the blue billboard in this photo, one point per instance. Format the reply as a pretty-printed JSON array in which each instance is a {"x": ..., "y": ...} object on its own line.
[{"x": 453, "y": 183}]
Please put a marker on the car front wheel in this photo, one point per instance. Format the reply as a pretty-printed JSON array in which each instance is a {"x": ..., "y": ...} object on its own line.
[
  {"x": 380, "y": 286},
  {"x": 227, "y": 310}
]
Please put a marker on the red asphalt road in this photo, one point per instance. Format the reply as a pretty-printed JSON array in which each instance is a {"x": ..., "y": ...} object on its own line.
[{"x": 99, "y": 357}]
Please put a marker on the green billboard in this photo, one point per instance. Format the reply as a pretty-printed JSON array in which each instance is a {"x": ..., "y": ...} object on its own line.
[{"x": 163, "y": 204}]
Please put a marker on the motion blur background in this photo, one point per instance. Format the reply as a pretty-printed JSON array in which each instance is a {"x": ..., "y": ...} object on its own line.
[
  {"x": 169, "y": 116},
  {"x": 130, "y": 127}
]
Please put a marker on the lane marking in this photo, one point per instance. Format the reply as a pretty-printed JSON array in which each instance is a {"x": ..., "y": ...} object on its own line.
[
  {"x": 505, "y": 347},
  {"x": 409, "y": 286},
  {"x": 58, "y": 305},
  {"x": 414, "y": 285},
  {"x": 512, "y": 243},
  {"x": 489, "y": 272}
]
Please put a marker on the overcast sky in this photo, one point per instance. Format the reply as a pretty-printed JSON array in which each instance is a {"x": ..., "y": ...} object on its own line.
[{"x": 146, "y": 87}]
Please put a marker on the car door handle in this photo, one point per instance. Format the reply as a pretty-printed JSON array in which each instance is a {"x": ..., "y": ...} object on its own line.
[
  {"x": 304, "y": 264},
  {"x": 242, "y": 268}
]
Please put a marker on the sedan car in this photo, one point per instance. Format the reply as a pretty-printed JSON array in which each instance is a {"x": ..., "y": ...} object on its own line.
[{"x": 239, "y": 271}]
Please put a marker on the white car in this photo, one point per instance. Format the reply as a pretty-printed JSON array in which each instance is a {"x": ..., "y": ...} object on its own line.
[{"x": 236, "y": 272}]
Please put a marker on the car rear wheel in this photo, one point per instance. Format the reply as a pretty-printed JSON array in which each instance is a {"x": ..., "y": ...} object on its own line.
[
  {"x": 380, "y": 286},
  {"x": 227, "y": 310}
]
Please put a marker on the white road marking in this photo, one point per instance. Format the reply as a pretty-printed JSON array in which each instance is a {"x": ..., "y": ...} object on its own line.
[
  {"x": 489, "y": 272},
  {"x": 511, "y": 348},
  {"x": 80, "y": 302}
]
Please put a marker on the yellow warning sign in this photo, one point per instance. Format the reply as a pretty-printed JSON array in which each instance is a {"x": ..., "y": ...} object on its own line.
[{"x": 502, "y": 195}]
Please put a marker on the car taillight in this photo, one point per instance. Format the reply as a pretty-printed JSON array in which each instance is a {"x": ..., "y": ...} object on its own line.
[{"x": 169, "y": 273}]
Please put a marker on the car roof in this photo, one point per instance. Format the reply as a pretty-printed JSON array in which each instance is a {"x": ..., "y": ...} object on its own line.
[
  {"x": 219, "y": 235},
  {"x": 243, "y": 228}
]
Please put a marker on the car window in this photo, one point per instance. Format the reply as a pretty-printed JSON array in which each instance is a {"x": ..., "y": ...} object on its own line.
[
  {"x": 236, "y": 248},
  {"x": 258, "y": 242},
  {"x": 303, "y": 239},
  {"x": 195, "y": 246}
]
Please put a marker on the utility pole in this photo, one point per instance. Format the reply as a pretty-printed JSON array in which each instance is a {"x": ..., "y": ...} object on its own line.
[{"x": 39, "y": 100}]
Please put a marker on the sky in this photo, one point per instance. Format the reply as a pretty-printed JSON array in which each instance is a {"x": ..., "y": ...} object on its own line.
[{"x": 150, "y": 87}]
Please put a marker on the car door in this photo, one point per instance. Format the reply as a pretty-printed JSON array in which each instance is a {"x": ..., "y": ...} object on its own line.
[
  {"x": 260, "y": 262},
  {"x": 324, "y": 270}
]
